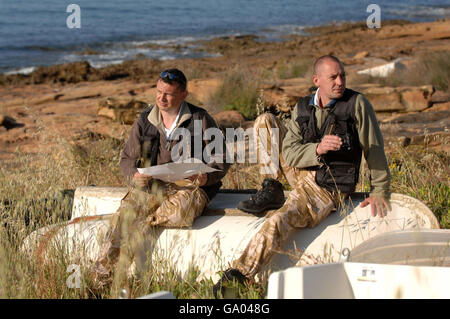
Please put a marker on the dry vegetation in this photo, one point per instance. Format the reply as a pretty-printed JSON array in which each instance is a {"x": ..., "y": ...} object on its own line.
[{"x": 33, "y": 196}]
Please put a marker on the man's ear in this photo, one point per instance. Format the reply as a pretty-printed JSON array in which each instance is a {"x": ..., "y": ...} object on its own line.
[
  {"x": 185, "y": 94},
  {"x": 316, "y": 80}
]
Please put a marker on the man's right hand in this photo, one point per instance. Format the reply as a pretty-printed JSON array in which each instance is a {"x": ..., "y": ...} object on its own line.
[
  {"x": 141, "y": 180},
  {"x": 378, "y": 205},
  {"x": 329, "y": 143}
]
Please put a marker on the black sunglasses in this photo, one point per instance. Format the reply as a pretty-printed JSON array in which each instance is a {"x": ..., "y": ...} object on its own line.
[{"x": 171, "y": 76}]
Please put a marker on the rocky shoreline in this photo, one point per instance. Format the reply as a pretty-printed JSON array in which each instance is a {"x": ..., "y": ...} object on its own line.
[{"x": 74, "y": 99}]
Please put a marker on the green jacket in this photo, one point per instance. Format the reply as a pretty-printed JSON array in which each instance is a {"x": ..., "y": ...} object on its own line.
[{"x": 301, "y": 155}]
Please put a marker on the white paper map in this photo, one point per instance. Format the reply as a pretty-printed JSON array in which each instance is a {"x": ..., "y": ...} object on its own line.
[{"x": 172, "y": 172}]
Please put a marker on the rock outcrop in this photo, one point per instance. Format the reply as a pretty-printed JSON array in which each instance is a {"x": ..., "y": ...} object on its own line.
[
  {"x": 121, "y": 110},
  {"x": 64, "y": 99}
]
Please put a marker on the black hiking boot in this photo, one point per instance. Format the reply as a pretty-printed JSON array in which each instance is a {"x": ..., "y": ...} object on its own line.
[
  {"x": 270, "y": 196},
  {"x": 228, "y": 276}
]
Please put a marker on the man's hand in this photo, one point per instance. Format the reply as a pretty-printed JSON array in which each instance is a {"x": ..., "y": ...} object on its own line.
[
  {"x": 378, "y": 206},
  {"x": 141, "y": 180},
  {"x": 202, "y": 179},
  {"x": 329, "y": 143}
]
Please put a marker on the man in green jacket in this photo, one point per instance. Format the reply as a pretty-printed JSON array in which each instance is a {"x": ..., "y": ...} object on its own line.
[{"x": 322, "y": 147}]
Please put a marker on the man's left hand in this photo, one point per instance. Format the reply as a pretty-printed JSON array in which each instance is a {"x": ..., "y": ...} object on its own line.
[
  {"x": 378, "y": 205},
  {"x": 202, "y": 179}
]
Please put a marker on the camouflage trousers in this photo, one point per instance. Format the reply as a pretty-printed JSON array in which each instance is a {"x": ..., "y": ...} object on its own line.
[
  {"x": 133, "y": 227},
  {"x": 306, "y": 206}
]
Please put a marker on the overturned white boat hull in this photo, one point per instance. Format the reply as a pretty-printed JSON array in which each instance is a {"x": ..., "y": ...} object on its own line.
[
  {"x": 350, "y": 280},
  {"x": 395, "y": 265},
  {"x": 220, "y": 235}
]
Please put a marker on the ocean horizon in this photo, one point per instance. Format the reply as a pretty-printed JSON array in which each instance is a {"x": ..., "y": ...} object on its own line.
[{"x": 37, "y": 34}]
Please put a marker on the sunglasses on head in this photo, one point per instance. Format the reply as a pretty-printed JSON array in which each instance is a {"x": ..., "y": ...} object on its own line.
[{"x": 171, "y": 76}]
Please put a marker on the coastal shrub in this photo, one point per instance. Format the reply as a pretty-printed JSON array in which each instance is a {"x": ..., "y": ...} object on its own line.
[
  {"x": 239, "y": 91},
  {"x": 293, "y": 69},
  {"x": 438, "y": 66}
]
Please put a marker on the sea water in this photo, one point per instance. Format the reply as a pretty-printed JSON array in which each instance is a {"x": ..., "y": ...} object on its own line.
[{"x": 34, "y": 33}]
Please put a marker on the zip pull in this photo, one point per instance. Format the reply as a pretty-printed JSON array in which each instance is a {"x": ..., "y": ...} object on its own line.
[{"x": 331, "y": 129}]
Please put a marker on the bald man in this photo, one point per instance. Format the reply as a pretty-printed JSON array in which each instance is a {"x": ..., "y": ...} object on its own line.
[{"x": 322, "y": 147}]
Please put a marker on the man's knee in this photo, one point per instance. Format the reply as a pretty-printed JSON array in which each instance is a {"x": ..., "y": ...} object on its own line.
[
  {"x": 264, "y": 119},
  {"x": 182, "y": 209}
]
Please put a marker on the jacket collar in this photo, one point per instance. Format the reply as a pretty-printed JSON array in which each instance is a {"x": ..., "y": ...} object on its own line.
[
  {"x": 155, "y": 117},
  {"x": 315, "y": 101}
]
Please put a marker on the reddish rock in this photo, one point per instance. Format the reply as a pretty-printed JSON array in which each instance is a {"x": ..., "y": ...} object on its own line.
[
  {"x": 284, "y": 97},
  {"x": 361, "y": 55},
  {"x": 64, "y": 73},
  {"x": 273, "y": 95},
  {"x": 416, "y": 117},
  {"x": 440, "y": 97},
  {"x": 202, "y": 90},
  {"x": 120, "y": 110},
  {"x": 229, "y": 119},
  {"x": 108, "y": 113},
  {"x": 392, "y": 99},
  {"x": 438, "y": 107},
  {"x": 384, "y": 99},
  {"x": 416, "y": 98}
]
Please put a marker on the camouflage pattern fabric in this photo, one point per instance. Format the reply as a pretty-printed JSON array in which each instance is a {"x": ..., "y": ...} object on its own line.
[
  {"x": 133, "y": 227},
  {"x": 306, "y": 206}
]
